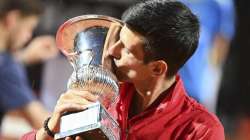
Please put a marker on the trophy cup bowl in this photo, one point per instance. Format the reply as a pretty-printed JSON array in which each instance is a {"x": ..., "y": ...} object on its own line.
[{"x": 83, "y": 40}]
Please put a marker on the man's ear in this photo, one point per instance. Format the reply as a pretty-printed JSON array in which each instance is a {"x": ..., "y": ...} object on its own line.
[
  {"x": 11, "y": 19},
  {"x": 158, "y": 68}
]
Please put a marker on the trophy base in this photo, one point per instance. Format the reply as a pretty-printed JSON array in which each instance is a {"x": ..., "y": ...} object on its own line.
[
  {"x": 94, "y": 134},
  {"x": 94, "y": 123}
]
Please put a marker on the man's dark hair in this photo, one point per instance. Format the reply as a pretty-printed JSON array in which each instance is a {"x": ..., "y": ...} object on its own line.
[
  {"x": 170, "y": 29},
  {"x": 26, "y": 7}
]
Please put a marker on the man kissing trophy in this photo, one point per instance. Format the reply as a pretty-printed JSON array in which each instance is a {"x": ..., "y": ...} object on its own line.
[{"x": 84, "y": 40}]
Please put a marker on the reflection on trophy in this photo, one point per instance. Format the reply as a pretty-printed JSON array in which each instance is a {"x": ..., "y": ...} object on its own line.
[{"x": 84, "y": 40}]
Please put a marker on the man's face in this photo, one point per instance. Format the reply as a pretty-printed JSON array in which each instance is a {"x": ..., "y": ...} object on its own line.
[
  {"x": 129, "y": 57},
  {"x": 21, "y": 33}
]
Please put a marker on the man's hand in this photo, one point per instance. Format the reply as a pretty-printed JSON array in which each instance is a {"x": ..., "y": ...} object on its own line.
[
  {"x": 39, "y": 49},
  {"x": 70, "y": 101}
]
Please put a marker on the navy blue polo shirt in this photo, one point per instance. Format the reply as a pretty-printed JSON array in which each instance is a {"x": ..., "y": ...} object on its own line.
[{"x": 14, "y": 88}]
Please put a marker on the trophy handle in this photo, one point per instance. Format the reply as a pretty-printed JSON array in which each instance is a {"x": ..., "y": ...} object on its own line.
[
  {"x": 111, "y": 38},
  {"x": 67, "y": 31}
]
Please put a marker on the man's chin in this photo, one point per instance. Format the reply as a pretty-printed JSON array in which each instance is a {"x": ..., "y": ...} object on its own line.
[{"x": 121, "y": 77}]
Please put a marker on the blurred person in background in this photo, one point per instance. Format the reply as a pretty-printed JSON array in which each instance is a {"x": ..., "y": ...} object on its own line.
[
  {"x": 234, "y": 94},
  {"x": 18, "y": 18},
  {"x": 202, "y": 73}
]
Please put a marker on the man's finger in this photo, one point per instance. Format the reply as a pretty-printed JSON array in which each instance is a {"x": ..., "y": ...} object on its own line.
[
  {"x": 79, "y": 138},
  {"x": 70, "y": 107},
  {"x": 87, "y": 95},
  {"x": 82, "y": 94},
  {"x": 78, "y": 101},
  {"x": 68, "y": 138}
]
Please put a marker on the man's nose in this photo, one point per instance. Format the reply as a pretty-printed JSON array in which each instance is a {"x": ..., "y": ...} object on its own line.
[{"x": 115, "y": 50}]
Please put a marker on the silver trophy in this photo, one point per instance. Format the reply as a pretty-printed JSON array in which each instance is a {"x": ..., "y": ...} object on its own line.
[{"x": 84, "y": 40}]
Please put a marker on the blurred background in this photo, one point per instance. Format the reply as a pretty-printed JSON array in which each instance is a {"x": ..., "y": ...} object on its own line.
[{"x": 217, "y": 76}]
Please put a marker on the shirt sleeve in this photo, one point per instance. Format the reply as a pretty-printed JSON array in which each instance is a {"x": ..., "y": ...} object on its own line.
[
  {"x": 217, "y": 133},
  {"x": 29, "y": 136}
]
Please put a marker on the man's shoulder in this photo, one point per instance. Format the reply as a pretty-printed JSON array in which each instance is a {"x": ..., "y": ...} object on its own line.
[
  {"x": 193, "y": 111},
  {"x": 201, "y": 116},
  {"x": 198, "y": 123}
]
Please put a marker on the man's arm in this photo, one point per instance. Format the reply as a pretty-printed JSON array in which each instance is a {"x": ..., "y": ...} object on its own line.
[
  {"x": 68, "y": 102},
  {"x": 39, "y": 49},
  {"x": 35, "y": 113},
  {"x": 29, "y": 136}
]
